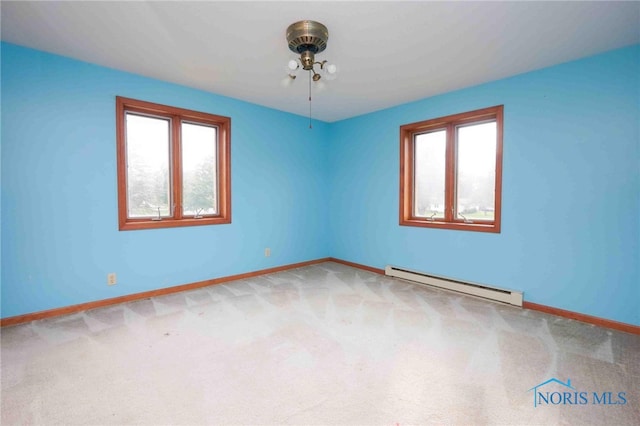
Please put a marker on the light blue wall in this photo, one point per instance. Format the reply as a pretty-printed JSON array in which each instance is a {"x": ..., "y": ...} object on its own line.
[
  {"x": 60, "y": 233},
  {"x": 571, "y": 189}
]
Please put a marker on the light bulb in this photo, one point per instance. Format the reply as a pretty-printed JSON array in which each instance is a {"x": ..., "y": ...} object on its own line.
[
  {"x": 292, "y": 68},
  {"x": 330, "y": 71}
]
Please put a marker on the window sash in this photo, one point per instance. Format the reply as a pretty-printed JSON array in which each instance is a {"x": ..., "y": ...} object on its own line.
[
  {"x": 463, "y": 212},
  {"x": 200, "y": 207},
  {"x": 429, "y": 184},
  {"x": 144, "y": 205}
]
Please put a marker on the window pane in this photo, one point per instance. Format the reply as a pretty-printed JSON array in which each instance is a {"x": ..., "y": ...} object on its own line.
[
  {"x": 148, "y": 176},
  {"x": 476, "y": 171},
  {"x": 429, "y": 179},
  {"x": 199, "y": 171}
]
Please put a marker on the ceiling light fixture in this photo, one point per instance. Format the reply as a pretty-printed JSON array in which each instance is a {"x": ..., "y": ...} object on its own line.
[{"x": 307, "y": 38}]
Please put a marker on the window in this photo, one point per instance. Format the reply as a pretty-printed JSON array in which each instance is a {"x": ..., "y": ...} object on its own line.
[
  {"x": 451, "y": 171},
  {"x": 173, "y": 166}
]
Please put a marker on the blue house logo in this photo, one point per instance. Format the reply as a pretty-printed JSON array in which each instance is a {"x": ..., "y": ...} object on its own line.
[
  {"x": 546, "y": 400},
  {"x": 569, "y": 395}
]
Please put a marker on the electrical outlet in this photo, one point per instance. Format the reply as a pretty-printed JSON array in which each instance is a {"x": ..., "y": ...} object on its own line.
[
  {"x": 111, "y": 278},
  {"x": 267, "y": 252}
]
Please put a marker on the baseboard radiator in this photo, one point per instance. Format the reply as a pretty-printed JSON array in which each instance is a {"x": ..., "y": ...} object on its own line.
[{"x": 511, "y": 297}]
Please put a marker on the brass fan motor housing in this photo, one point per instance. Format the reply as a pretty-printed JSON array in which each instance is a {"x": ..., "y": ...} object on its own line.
[{"x": 307, "y": 38}]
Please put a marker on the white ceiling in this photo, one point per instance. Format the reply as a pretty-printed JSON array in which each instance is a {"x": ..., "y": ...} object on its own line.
[{"x": 388, "y": 53}]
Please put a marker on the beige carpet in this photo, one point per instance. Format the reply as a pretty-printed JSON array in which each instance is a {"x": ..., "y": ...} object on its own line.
[{"x": 325, "y": 344}]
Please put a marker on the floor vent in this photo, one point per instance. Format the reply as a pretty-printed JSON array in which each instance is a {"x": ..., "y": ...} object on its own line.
[{"x": 511, "y": 297}]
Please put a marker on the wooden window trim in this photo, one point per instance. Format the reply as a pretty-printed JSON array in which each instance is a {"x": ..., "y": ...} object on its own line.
[
  {"x": 450, "y": 123},
  {"x": 223, "y": 125}
]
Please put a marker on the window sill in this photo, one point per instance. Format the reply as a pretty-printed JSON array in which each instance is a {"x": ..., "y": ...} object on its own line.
[
  {"x": 457, "y": 226},
  {"x": 132, "y": 225}
]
